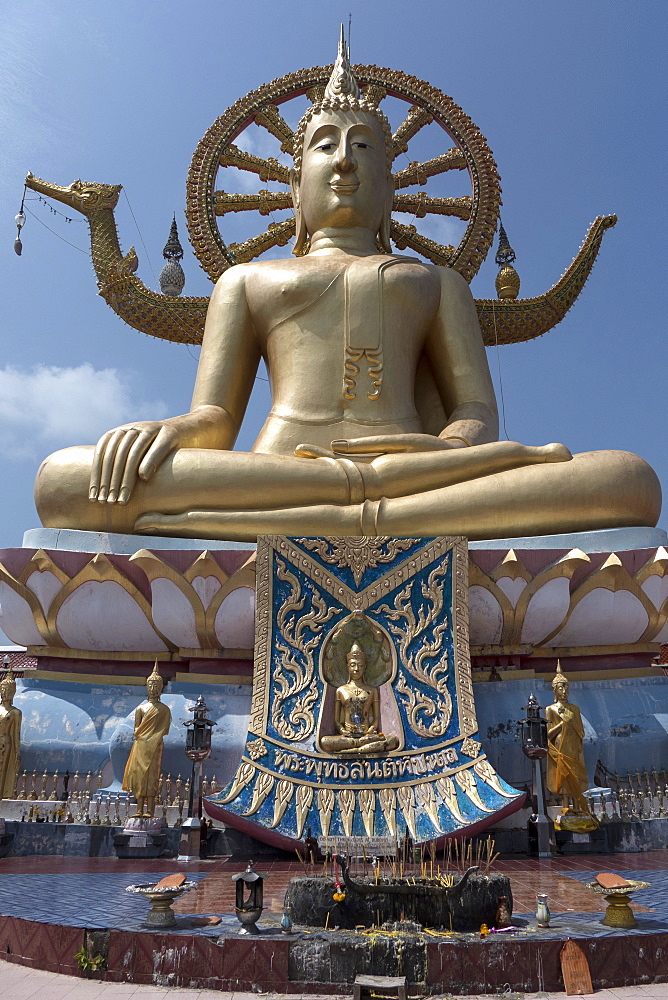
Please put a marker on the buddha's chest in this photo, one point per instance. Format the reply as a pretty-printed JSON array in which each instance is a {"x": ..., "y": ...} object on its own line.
[
  {"x": 365, "y": 304},
  {"x": 356, "y": 701}
]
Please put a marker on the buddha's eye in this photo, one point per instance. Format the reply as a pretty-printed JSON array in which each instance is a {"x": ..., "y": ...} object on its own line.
[
  {"x": 326, "y": 146},
  {"x": 362, "y": 145}
]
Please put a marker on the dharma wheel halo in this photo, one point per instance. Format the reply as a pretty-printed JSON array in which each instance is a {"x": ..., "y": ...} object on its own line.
[{"x": 204, "y": 205}]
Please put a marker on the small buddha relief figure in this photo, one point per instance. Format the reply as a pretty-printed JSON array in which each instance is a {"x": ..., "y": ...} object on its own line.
[
  {"x": 566, "y": 770},
  {"x": 142, "y": 771},
  {"x": 357, "y": 700},
  {"x": 10, "y": 737}
]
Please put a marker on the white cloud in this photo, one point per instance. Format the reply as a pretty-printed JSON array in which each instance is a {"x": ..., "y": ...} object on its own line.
[{"x": 56, "y": 407}]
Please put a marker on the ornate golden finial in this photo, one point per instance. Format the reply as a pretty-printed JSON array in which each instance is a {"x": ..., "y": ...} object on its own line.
[
  {"x": 507, "y": 280},
  {"x": 342, "y": 83},
  {"x": 560, "y": 677}
]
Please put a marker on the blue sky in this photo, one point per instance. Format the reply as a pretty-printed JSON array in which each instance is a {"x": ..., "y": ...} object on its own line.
[{"x": 570, "y": 96}]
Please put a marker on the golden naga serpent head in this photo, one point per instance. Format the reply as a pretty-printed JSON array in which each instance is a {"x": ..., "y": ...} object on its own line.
[{"x": 83, "y": 196}]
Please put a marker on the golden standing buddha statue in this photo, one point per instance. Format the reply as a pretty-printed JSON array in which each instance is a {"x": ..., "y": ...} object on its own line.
[
  {"x": 10, "y": 737},
  {"x": 566, "y": 770},
  {"x": 342, "y": 328},
  {"x": 142, "y": 771},
  {"x": 357, "y": 713}
]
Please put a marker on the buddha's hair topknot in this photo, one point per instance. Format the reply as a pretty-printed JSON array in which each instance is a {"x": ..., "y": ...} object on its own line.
[{"x": 342, "y": 94}]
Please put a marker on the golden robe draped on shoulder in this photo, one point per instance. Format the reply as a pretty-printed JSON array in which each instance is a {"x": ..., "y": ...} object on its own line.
[
  {"x": 142, "y": 771},
  {"x": 566, "y": 771}
]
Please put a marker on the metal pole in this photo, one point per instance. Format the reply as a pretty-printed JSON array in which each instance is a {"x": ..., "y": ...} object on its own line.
[
  {"x": 191, "y": 796},
  {"x": 542, "y": 822}
]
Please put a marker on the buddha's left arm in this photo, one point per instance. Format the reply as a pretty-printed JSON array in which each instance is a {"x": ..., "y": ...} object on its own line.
[{"x": 459, "y": 365}]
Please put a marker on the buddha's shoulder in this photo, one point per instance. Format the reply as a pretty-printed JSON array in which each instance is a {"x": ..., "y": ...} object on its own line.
[
  {"x": 264, "y": 271},
  {"x": 291, "y": 268}
]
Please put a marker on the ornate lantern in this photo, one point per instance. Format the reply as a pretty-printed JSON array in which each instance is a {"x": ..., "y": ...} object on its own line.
[
  {"x": 534, "y": 745},
  {"x": 249, "y": 899},
  {"x": 198, "y": 738},
  {"x": 198, "y": 748},
  {"x": 534, "y": 731}
]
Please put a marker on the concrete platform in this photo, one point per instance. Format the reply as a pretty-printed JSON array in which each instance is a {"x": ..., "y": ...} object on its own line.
[{"x": 49, "y": 904}]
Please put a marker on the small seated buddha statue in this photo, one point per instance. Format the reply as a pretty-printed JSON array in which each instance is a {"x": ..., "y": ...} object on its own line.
[{"x": 357, "y": 713}]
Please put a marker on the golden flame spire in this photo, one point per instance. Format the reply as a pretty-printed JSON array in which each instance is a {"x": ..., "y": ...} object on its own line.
[{"x": 342, "y": 83}]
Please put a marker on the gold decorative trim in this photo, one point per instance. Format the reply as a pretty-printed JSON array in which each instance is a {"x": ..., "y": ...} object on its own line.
[
  {"x": 302, "y": 805},
  {"x": 326, "y": 801},
  {"x": 367, "y": 804}
]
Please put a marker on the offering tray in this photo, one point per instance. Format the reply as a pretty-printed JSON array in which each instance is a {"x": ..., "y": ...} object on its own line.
[
  {"x": 619, "y": 913},
  {"x": 161, "y": 898}
]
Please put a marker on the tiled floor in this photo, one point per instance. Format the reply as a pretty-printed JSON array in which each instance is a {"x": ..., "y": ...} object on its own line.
[
  {"x": 83, "y": 892},
  {"x": 19, "y": 983}
]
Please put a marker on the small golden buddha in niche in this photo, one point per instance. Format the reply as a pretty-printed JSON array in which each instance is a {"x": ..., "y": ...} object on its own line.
[
  {"x": 383, "y": 416},
  {"x": 357, "y": 713}
]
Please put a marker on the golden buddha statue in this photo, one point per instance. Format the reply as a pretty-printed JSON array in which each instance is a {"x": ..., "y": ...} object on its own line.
[
  {"x": 142, "y": 771},
  {"x": 566, "y": 770},
  {"x": 10, "y": 737},
  {"x": 342, "y": 327},
  {"x": 357, "y": 713}
]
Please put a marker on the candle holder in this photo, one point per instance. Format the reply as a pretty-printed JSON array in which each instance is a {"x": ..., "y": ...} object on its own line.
[{"x": 249, "y": 907}]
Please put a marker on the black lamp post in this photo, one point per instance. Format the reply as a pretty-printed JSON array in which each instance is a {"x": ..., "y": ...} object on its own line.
[
  {"x": 534, "y": 745},
  {"x": 198, "y": 748}
]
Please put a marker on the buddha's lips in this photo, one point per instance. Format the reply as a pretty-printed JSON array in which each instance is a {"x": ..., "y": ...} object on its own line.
[{"x": 343, "y": 188}]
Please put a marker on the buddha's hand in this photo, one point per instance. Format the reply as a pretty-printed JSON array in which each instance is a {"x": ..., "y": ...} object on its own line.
[
  {"x": 127, "y": 452},
  {"x": 137, "y": 450},
  {"x": 385, "y": 444},
  {"x": 380, "y": 444}
]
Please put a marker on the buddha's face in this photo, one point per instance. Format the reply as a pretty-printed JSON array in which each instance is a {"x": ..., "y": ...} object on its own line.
[
  {"x": 356, "y": 664},
  {"x": 561, "y": 691},
  {"x": 345, "y": 181},
  {"x": 154, "y": 688}
]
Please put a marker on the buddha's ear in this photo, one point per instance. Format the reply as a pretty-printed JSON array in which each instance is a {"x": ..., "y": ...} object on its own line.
[
  {"x": 384, "y": 232},
  {"x": 300, "y": 227}
]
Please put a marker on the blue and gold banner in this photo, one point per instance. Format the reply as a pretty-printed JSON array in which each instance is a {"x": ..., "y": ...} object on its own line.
[{"x": 362, "y": 719}]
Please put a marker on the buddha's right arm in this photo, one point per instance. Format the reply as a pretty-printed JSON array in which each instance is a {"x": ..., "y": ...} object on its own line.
[{"x": 225, "y": 375}]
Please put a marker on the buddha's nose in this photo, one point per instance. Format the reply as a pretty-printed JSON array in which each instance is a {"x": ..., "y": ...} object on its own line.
[{"x": 345, "y": 162}]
